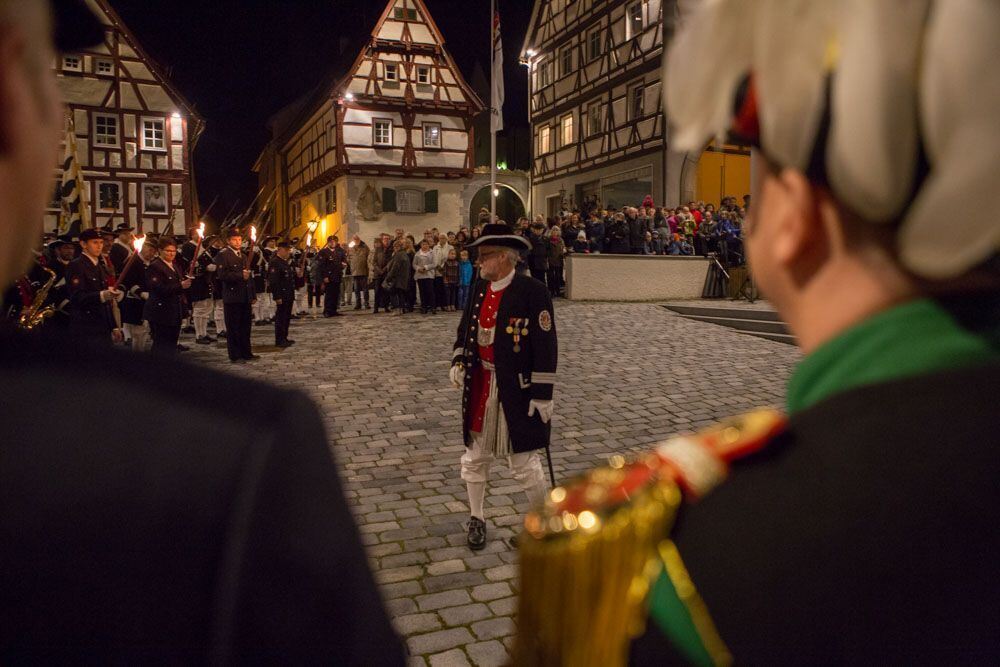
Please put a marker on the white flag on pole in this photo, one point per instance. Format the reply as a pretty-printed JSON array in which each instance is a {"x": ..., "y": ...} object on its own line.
[{"x": 497, "y": 93}]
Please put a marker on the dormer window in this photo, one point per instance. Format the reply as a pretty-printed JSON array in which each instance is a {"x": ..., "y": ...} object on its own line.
[
  {"x": 72, "y": 63},
  {"x": 423, "y": 74},
  {"x": 391, "y": 72},
  {"x": 104, "y": 67}
]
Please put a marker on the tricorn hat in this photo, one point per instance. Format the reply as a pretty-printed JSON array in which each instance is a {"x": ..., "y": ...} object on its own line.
[
  {"x": 124, "y": 227},
  {"x": 500, "y": 234}
]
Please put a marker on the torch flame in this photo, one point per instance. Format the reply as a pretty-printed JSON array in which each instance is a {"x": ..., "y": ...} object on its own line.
[
  {"x": 201, "y": 230},
  {"x": 309, "y": 238},
  {"x": 138, "y": 242},
  {"x": 351, "y": 244},
  {"x": 253, "y": 233}
]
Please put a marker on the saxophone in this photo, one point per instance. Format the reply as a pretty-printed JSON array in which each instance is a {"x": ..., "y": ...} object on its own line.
[{"x": 34, "y": 314}]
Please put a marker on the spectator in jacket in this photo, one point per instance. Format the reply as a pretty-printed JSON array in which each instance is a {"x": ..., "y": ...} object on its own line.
[
  {"x": 441, "y": 250},
  {"x": 556, "y": 252},
  {"x": 378, "y": 264},
  {"x": 465, "y": 274},
  {"x": 538, "y": 256},
  {"x": 425, "y": 271},
  {"x": 618, "y": 235},
  {"x": 359, "y": 271},
  {"x": 450, "y": 276},
  {"x": 397, "y": 277},
  {"x": 595, "y": 232},
  {"x": 636, "y": 230}
]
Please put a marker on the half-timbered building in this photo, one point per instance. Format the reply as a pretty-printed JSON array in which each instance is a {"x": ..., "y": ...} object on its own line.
[
  {"x": 596, "y": 111},
  {"x": 385, "y": 142},
  {"x": 135, "y": 133}
]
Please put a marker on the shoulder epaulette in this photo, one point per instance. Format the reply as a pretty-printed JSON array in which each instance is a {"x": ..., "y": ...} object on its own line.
[{"x": 590, "y": 555}]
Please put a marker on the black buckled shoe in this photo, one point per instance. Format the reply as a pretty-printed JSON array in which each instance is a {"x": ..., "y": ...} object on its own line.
[{"x": 477, "y": 533}]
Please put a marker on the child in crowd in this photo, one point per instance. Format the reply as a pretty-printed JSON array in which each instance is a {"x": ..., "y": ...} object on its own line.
[
  {"x": 465, "y": 273},
  {"x": 449, "y": 272}
]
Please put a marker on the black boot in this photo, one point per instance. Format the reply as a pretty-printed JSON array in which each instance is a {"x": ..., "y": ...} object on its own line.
[{"x": 477, "y": 533}]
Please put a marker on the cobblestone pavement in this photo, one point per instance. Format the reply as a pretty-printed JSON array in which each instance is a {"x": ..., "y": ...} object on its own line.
[{"x": 629, "y": 375}]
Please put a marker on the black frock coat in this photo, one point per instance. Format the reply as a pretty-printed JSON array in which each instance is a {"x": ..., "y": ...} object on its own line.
[
  {"x": 521, "y": 376},
  {"x": 164, "y": 303},
  {"x": 192, "y": 517}
]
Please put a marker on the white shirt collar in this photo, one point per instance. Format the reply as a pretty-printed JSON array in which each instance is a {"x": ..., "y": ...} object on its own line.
[{"x": 498, "y": 285}]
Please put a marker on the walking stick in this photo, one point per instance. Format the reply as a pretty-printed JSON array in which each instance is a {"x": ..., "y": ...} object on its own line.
[{"x": 552, "y": 474}]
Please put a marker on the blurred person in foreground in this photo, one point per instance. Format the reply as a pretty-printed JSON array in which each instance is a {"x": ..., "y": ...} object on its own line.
[
  {"x": 861, "y": 526},
  {"x": 186, "y": 516}
]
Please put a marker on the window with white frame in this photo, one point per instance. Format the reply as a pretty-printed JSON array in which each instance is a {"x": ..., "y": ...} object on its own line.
[
  {"x": 382, "y": 132},
  {"x": 423, "y": 74},
  {"x": 432, "y": 135},
  {"x": 635, "y": 18},
  {"x": 544, "y": 139},
  {"x": 594, "y": 45},
  {"x": 72, "y": 63},
  {"x": 105, "y": 130},
  {"x": 153, "y": 134},
  {"x": 109, "y": 196},
  {"x": 391, "y": 71},
  {"x": 566, "y": 130},
  {"x": 409, "y": 201},
  {"x": 593, "y": 118},
  {"x": 566, "y": 61},
  {"x": 104, "y": 66},
  {"x": 636, "y": 102}
]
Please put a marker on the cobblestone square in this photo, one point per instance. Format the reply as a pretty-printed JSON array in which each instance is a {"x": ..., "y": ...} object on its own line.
[{"x": 629, "y": 376}]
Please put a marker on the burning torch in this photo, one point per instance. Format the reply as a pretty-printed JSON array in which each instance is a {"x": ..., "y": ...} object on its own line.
[
  {"x": 197, "y": 249},
  {"x": 137, "y": 244},
  {"x": 253, "y": 242}
]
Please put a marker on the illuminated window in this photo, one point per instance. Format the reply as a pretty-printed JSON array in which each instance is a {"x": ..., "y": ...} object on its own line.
[
  {"x": 566, "y": 130},
  {"x": 636, "y": 18},
  {"x": 105, "y": 130},
  {"x": 432, "y": 135},
  {"x": 382, "y": 132},
  {"x": 544, "y": 139}
]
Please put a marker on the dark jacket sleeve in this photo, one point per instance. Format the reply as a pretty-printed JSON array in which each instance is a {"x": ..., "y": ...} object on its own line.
[
  {"x": 304, "y": 588},
  {"x": 544, "y": 345}
]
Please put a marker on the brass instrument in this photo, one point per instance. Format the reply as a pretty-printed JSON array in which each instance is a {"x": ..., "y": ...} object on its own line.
[{"x": 34, "y": 314}]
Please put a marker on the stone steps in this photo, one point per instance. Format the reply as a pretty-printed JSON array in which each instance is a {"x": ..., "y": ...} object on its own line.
[{"x": 760, "y": 322}]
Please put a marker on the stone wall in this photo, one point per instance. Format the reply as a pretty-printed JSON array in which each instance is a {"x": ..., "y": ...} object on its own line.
[{"x": 634, "y": 277}]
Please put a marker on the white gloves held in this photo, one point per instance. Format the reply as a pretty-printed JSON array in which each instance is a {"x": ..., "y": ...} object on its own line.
[
  {"x": 457, "y": 375},
  {"x": 544, "y": 409},
  {"x": 211, "y": 267}
]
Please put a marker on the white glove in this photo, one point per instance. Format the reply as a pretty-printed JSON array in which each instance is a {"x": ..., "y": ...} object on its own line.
[
  {"x": 211, "y": 267},
  {"x": 144, "y": 295},
  {"x": 457, "y": 376},
  {"x": 544, "y": 409}
]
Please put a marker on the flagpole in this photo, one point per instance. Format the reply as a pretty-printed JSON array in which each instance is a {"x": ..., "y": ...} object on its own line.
[{"x": 493, "y": 112}]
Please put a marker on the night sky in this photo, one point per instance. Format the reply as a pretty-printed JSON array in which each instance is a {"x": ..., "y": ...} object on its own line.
[{"x": 240, "y": 61}]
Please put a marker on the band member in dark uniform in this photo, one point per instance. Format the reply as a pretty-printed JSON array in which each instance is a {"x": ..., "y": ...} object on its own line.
[
  {"x": 332, "y": 260},
  {"x": 122, "y": 248},
  {"x": 87, "y": 286},
  {"x": 200, "y": 295},
  {"x": 136, "y": 295},
  {"x": 190, "y": 517},
  {"x": 281, "y": 281},
  {"x": 238, "y": 297},
  {"x": 164, "y": 308},
  {"x": 505, "y": 363}
]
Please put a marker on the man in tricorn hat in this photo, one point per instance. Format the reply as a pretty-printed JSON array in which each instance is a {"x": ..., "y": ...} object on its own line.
[
  {"x": 862, "y": 529},
  {"x": 505, "y": 363},
  {"x": 122, "y": 248},
  {"x": 205, "y": 523}
]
